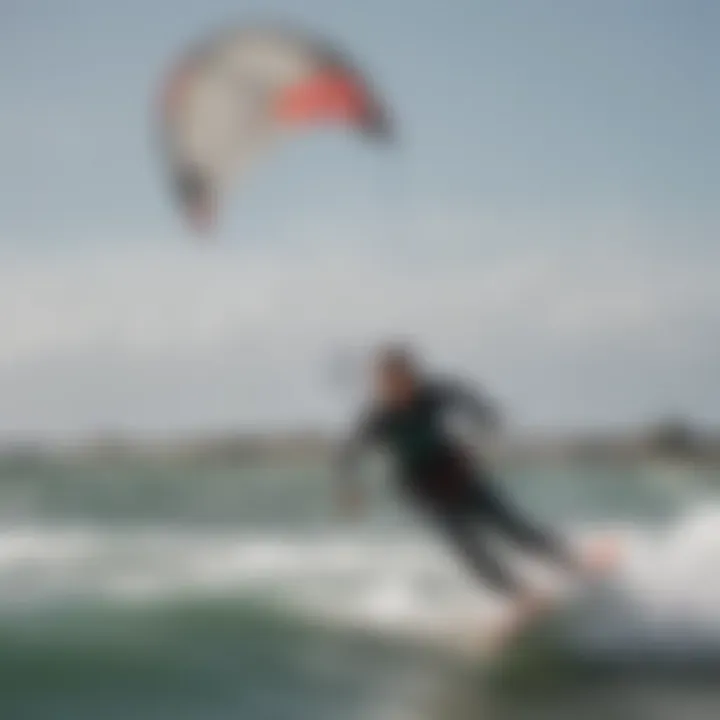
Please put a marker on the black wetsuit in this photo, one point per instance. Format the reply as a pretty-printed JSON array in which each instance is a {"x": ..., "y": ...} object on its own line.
[{"x": 456, "y": 493}]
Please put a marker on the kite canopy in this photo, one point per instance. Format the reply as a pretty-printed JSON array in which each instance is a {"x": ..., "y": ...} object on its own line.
[{"x": 234, "y": 95}]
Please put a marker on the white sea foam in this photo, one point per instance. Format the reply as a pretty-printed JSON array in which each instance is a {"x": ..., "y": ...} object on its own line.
[{"x": 666, "y": 588}]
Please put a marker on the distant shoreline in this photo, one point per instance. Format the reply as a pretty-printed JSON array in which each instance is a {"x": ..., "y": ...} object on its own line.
[{"x": 668, "y": 441}]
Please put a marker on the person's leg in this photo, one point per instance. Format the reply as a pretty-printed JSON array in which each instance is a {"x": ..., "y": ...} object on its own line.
[
  {"x": 509, "y": 520},
  {"x": 457, "y": 527}
]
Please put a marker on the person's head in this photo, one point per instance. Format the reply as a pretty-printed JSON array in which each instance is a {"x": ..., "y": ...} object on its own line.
[{"x": 395, "y": 375}]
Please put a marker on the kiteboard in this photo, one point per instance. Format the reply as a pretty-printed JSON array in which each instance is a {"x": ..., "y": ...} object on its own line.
[
  {"x": 598, "y": 563},
  {"x": 490, "y": 633}
]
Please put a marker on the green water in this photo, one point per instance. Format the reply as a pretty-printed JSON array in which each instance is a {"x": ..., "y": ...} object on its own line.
[{"x": 150, "y": 590}]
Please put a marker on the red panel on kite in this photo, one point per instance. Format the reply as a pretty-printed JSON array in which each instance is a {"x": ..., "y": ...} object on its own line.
[{"x": 330, "y": 96}]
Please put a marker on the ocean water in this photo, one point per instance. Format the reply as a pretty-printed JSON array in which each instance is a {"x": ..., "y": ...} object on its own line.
[{"x": 152, "y": 590}]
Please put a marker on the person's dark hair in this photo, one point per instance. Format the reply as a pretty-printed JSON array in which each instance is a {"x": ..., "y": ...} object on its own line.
[{"x": 396, "y": 358}]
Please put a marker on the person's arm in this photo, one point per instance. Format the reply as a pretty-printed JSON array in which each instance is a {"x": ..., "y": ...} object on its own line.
[
  {"x": 348, "y": 489},
  {"x": 479, "y": 406}
]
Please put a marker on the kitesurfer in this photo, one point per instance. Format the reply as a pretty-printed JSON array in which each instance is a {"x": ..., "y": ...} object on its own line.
[{"x": 456, "y": 492}]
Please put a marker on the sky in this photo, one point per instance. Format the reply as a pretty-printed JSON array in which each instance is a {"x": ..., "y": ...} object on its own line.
[{"x": 547, "y": 223}]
